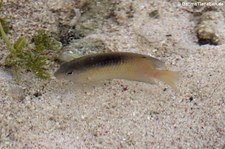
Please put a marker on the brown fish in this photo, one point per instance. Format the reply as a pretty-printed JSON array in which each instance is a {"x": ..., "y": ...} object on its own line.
[{"x": 116, "y": 65}]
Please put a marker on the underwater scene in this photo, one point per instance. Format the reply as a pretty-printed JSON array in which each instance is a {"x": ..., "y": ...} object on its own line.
[{"x": 112, "y": 74}]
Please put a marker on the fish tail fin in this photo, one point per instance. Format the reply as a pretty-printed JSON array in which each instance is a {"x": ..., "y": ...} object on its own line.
[{"x": 169, "y": 77}]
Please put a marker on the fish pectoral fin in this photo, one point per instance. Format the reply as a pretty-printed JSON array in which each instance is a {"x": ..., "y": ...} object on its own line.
[
  {"x": 150, "y": 81},
  {"x": 169, "y": 77},
  {"x": 145, "y": 80}
]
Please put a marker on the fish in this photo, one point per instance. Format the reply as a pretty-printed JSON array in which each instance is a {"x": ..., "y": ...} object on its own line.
[{"x": 116, "y": 65}]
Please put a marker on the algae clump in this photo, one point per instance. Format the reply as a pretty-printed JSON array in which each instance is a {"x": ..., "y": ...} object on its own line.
[{"x": 34, "y": 59}]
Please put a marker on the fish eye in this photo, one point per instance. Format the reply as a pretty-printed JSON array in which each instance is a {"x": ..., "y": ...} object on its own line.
[{"x": 69, "y": 73}]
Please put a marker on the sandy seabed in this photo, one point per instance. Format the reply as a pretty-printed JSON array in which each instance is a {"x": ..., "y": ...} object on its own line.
[{"x": 118, "y": 114}]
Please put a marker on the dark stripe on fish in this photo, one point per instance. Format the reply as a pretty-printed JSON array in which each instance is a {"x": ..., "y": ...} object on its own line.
[{"x": 87, "y": 62}]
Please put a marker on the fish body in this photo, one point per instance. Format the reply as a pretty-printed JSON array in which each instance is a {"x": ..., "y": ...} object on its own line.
[{"x": 115, "y": 65}]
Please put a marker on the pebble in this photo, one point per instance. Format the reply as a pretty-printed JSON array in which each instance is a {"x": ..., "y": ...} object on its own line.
[
  {"x": 210, "y": 29},
  {"x": 82, "y": 47}
]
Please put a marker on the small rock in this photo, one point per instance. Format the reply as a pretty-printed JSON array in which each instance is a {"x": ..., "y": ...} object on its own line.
[
  {"x": 82, "y": 47},
  {"x": 210, "y": 29},
  {"x": 154, "y": 14}
]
